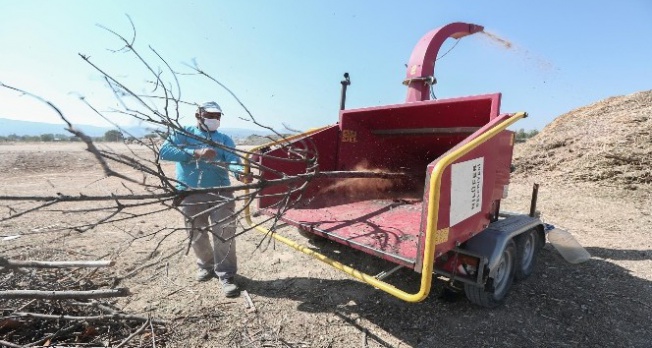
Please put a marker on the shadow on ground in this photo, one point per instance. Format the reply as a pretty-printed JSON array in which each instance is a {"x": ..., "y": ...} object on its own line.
[{"x": 594, "y": 304}]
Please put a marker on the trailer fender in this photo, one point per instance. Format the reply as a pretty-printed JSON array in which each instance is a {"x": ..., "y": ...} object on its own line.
[{"x": 491, "y": 242}]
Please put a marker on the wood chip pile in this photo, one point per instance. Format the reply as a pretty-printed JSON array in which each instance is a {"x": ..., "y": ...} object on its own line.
[{"x": 609, "y": 142}]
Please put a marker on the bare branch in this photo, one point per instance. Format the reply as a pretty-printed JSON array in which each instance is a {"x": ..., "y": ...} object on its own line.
[
  {"x": 114, "y": 316},
  {"x": 58, "y": 295},
  {"x": 9, "y": 344},
  {"x": 59, "y": 332},
  {"x": 54, "y": 264},
  {"x": 134, "y": 334},
  {"x": 259, "y": 185}
]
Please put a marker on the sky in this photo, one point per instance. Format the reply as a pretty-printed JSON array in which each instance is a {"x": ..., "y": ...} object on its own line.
[{"x": 284, "y": 59}]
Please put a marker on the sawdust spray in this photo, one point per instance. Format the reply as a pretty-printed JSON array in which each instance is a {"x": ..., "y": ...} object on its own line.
[{"x": 362, "y": 188}]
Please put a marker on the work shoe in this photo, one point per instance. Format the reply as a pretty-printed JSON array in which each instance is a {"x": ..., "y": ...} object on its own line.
[
  {"x": 229, "y": 287},
  {"x": 204, "y": 274}
]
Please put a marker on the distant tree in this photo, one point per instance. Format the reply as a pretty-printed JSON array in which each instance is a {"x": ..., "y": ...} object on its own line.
[
  {"x": 113, "y": 135},
  {"x": 47, "y": 137},
  {"x": 58, "y": 137},
  {"x": 522, "y": 135},
  {"x": 13, "y": 137},
  {"x": 151, "y": 136},
  {"x": 30, "y": 138}
]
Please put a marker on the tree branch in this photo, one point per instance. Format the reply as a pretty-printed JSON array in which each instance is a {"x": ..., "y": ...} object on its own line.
[
  {"x": 115, "y": 316},
  {"x": 59, "y": 295},
  {"x": 54, "y": 264},
  {"x": 134, "y": 334}
]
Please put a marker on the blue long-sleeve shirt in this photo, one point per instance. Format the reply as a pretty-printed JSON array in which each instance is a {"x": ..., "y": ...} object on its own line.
[{"x": 198, "y": 173}]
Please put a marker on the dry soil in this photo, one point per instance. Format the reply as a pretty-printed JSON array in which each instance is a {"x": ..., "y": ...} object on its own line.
[{"x": 300, "y": 302}]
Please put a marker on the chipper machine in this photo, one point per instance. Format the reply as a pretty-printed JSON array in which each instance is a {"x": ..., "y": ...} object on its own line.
[{"x": 443, "y": 217}]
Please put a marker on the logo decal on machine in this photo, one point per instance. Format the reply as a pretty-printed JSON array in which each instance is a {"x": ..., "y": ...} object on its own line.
[
  {"x": 349, "y": 136},
  {"x": 466, "y": 189},
  {"x": 441, "y": 236}
]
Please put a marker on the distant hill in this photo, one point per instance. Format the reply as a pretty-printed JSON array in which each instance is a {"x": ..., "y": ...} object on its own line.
[{"x": 8, "y": 127}]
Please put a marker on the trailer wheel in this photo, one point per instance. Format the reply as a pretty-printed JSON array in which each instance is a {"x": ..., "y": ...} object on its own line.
[
  {"x": 527, "y": 253},
  {"x": 497, "y": 287}
]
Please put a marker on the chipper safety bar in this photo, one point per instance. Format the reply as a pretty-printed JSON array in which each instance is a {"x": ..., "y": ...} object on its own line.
[{"x": 455, "y": 153}]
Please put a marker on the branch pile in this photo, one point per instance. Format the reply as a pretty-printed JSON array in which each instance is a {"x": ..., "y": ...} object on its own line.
[{"x": 33, "y": 318}]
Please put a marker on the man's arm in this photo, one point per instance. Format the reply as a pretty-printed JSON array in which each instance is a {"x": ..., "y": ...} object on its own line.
[{"x": 172, "y": 151}]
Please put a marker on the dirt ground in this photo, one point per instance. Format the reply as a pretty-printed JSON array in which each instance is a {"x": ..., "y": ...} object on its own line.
[{"x": 300, "y": 302}]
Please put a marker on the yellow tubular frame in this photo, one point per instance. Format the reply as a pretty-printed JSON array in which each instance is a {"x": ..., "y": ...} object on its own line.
[{"x": 431, "y": 226}]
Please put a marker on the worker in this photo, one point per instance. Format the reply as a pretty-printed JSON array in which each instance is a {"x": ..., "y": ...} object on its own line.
[{"x": 201, "y": 164}]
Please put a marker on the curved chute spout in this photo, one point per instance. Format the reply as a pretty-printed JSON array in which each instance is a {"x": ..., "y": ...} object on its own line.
[{"x": 421, "y": 67}]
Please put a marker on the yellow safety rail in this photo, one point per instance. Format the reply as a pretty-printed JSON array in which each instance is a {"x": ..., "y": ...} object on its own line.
[{"x": 431, "y": 226}]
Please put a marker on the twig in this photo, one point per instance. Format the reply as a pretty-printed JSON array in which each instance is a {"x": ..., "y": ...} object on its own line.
[
  {"x": 93, "y": 304},
  {"x": 250, "y": 303},
  {"x": 54, "y": 335},
  {"x": 9, "y": 344},
  {"x": 54, "y": 264},
  {"x": 251, "y": 338},
  {"x": 25, "y": 305},
  {"x": 134, "y": 334},
  {"x": 363, "y": 329},
  {"x": 140, "y": 268},
  {"x": 87, "y": 318},
  {"x": 151, "y": 326},
  {"x": 58, "y": 295},
  {"x": 218, "y": 189}
]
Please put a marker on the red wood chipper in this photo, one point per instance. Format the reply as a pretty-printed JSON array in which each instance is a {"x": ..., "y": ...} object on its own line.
[{"x": 443, "y": 217}]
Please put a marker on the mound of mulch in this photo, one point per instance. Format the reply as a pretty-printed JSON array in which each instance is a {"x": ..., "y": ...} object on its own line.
[{"x": 608, "y": 142}]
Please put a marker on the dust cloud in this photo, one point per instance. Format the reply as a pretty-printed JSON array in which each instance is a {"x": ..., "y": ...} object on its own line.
[{"x": 362, "y": 188}]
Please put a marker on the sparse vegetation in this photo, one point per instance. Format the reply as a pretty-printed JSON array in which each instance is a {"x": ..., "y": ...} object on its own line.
[
  {"x": 522, "y": 135},
  {"x": 114, "y": 135},
  {"x": 255, "y": 139},
  {"x": 47, "y": 137}
]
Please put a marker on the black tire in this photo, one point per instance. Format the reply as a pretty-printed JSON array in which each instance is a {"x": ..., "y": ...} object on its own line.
[
  {"x": 497, "y": 288},
  {"x": 528, "y": 245}
]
